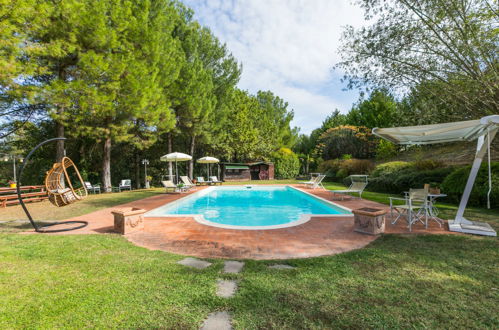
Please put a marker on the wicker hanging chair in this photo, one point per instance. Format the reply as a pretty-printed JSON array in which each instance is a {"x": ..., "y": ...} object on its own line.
[{"x": 59, "y": 187}]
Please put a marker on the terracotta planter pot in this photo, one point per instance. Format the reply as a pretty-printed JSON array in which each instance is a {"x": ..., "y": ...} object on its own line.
[
  {"x": 369, "y": 220},
  {"x": 128, "y": 220}
]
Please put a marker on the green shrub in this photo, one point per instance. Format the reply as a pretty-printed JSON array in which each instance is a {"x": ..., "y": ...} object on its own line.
[
  {"x": 329, "y": 167},
  {"x": 428, "y": 164},
  {"x": 386, "y": 149},
  {"x": 341, "y": 174},
  {"x": 287, "y": 164},
  {"x": 396, "y": 177},
  {"x": 417, "y": 179},
  {"x": 390, "y": 167},
  {"x": 455, "y": 182},
  {"x": 357, "y": 141},
  {"x": 357, "y": 166},
  {"x": 337, "y": 169}
]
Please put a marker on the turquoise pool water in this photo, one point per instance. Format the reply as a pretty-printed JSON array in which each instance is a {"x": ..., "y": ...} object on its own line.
[{"x": 249, "y": 207}]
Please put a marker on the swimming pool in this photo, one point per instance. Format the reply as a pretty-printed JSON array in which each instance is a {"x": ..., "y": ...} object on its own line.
[{"x": 250, "y": 207}]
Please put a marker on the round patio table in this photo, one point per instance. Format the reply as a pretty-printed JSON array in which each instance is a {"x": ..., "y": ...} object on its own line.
[{"x": 432, "y": 209}]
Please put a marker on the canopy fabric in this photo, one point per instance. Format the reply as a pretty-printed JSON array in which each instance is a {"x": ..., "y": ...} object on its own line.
[
  {"x": 208, "y": 160},
  {"x": 439, "y": 133},
  {"x": 237, "y": 167},
  {"x": 175, "y": 157}
]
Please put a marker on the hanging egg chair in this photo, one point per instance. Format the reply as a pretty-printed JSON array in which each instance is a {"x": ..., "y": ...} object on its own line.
[
  {"x": 61, "y": 191},
  {"x": 60, "y": 188}
]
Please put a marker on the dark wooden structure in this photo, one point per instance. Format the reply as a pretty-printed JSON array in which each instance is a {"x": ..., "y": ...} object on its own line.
[
  {"x": 247, "y": 171},
  {"x": 235, "y": 172},
  {"x": 262, "y": 170}
]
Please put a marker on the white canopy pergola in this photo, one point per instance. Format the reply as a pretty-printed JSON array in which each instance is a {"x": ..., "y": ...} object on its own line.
[{"x": 483, "y": 129}]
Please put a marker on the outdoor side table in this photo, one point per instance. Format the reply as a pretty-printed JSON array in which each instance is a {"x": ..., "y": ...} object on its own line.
[
  {"x": 369, "y": 220},
  {"x": 128, "y": 219}
]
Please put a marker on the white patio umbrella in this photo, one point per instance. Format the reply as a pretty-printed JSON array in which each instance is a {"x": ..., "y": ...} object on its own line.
[
  {"x": 208, "y": 160},
  {"x": 175, "y": 157}
]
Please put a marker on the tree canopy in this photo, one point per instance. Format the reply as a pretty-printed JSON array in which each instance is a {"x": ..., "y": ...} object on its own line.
[
  {"x": 447, "y": 50},
  {"x": 125, "y": 80}
]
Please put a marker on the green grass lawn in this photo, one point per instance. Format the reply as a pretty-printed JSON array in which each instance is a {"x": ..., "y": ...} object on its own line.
[{"x": 104, "y": 281}]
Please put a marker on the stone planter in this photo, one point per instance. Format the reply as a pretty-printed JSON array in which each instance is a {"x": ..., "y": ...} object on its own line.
[
  {"x": 369, "y": 220},
  {"x": 128, "y": 220}
]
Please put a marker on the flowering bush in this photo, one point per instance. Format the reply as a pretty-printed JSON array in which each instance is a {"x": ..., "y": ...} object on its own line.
[{"x": 357, "y": 141}]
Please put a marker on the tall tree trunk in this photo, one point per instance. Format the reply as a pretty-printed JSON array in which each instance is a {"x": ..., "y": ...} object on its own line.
[
  {"x": 170, "y": 150},
  {"x": 191, "y": 162},
  {"x": 106, "y": 165},
  {"x": 59, "y": 149},
  {"x": 137, "y": 170}
]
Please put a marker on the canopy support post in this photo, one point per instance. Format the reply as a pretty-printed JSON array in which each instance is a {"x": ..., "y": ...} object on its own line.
[{"x": 460, "y": 223}]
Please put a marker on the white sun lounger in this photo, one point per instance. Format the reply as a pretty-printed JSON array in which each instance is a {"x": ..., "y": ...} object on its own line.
[
  {"x": 215, "y": 180},
  {"x": 169, "y": 185},
  {"x": 201, "y": 181},
  {"x": 356, "y": 186},
  {"x": 187, "y": 182},
  {"x": 315, "y": 183}
]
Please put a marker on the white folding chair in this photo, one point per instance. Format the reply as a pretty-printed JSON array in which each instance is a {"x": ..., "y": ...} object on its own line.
[{"x": 414, "y": 209}]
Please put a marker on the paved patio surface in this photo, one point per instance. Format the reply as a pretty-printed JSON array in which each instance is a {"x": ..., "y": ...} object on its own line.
[{"x": 183, "y": 235}]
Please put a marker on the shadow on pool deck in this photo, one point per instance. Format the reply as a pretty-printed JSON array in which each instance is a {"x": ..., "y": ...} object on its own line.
[{"x": 183, "y": 235}]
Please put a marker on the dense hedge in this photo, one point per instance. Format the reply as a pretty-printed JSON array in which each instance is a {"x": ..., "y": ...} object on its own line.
[
  {"x": 454, "y": 184},
  {"x": 399, "y": 176},
  {"x": 287, "y": 164},
  {"x": 396, "y": 177},
  {"x": 399, "y": 181}
]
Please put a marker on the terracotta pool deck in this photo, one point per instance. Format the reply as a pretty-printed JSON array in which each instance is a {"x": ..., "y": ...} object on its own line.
[{"x": 183, "y": 235}]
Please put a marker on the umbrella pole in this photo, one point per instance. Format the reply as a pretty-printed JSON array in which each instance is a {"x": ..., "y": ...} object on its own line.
[{"x": 176, "y": 173}]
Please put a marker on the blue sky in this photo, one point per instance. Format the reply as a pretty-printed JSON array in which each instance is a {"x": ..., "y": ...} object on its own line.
[{"x": 288, "y": 47}]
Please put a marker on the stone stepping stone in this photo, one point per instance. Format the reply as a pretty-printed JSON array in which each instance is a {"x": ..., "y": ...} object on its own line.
[
  {"x": 226, "y": 289},
  {"x": 233, "y": 267},
  {"x": 217, "y": 321},
  {"x": 281, "y": 266},
  {"x": 195, "y": 263}
]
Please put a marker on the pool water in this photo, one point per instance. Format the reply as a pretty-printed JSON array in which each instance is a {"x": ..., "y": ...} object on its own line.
[{"x": 241, "y": 206}]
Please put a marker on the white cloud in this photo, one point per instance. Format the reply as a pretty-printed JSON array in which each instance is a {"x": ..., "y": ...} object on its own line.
[{"x": 286, "y": 46}]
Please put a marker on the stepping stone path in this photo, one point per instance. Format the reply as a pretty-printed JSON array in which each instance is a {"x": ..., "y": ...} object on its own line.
[
  {"x": 226, "y": 289},
  {"x": 195, "y": 263},
  {"x": 233, "y": 267},
  {"x": 217, "y": 321},
  {"x": 281, "y": 266}
]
